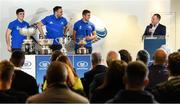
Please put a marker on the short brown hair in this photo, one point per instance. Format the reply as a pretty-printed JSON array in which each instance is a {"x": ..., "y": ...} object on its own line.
[
  {"x": 56, "y": 73},
  {"x": 6, "y": 70},
  {"x": 136, "y": 73},
  {"x": 85, "y": 12},
  {"x": 174, "y": 63}
]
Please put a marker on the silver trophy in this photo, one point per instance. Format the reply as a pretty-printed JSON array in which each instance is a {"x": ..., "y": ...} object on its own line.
[
  {"x": 82, "y": 49},
  {"x": 45, "y": 44},
  {"x": 28, "y": 45},
  {"x": 63, "y": 41}
]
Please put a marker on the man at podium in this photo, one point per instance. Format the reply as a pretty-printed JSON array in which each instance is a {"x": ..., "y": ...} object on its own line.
[
  {"x": 155, "y": 28},
  {"x": 154, "y": 35}
]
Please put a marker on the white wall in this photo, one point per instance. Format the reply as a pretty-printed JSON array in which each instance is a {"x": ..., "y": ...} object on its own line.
[
  {"x": 176, "y": 9},
  {"x": 124, "y": 19}
]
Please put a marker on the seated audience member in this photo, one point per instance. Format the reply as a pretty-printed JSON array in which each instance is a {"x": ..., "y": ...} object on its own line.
[
  {"x": 113, "y": 82},
  {"x": 97, "y": 68},
  {"x": 158, "y": 70},
  {"x": 169, "y": 91},
  {"x": 143, "y": 56},
  {"x": 8, "y": 95},
  {"x": 57, "y": 91},
  {"x": 22, "y": 81},
  {"x": 125, "y": 55},
  {"x": 136, "y": 79},
  {"x": 74, "y": 81},
  {"x": 55, "y": 55},
  {"x": 178, "y": 50},
  {"x": 99, "y": 78}
]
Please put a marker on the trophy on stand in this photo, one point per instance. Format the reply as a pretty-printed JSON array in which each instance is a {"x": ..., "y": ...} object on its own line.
[
  {"x": 63, "y": 41},
  {"x": 82, "y": 49},
  {"x": 28, "y": 45},
  {"x": 45, "y": 43}
]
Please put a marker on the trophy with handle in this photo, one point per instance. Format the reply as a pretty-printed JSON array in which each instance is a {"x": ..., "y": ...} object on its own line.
[
  {"x": 63, "y": 41},
  {"x": 28, "y": 45},
  {"x": 82, "y": 49},
  {"x": 45, "y": 46}
]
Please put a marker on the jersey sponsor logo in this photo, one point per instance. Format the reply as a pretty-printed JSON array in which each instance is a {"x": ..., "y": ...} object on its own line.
[
  {"x": 50, "y": 22},
  {"x": 80, "y": 27},
  {"x": 62, "y": 23},
  {"x": 18, "y": 28},
  {"x": 89, "y": 27}
]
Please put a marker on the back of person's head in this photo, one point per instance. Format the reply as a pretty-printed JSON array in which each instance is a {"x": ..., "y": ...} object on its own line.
[
  {"x": 65, "y": 59},
  {"x": 115, "y": 74},
  {"x": 111, "y": 56},
  {"x": 174, "y": 63},
  {"x": 6, "y": 71},
  {"x": 18, "y": 58},
  {"x": 143, "y": 56},
  {"x": 160, "y": 56},
  {"x": 136, "y": 74},
  {"x": 56, "y": 73},
  {"x": 125, "y": 55},
  {"x": 96, "y": 58},
  {"x": 55, "y": 54},
  {"x": 178, "y": 50}
]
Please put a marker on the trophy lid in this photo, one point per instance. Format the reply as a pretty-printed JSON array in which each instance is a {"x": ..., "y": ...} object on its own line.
[
  {"x": 45, "y": 41},
  {"x": 28, "y": 31}
]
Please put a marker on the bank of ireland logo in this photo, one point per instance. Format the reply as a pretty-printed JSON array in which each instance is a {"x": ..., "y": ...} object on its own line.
[
  {"x": 82, "y": 65},
  {"x": 43, "y": 65},
  {"x": 27, "y": 65}
]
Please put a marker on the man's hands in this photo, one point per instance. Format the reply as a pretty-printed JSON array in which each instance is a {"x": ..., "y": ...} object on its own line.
[{"x": 9, "y": 48}]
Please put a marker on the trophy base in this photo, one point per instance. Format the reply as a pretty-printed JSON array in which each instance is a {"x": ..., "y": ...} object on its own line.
[
  {"x": 82, "y": 51},
  {"x": 46, "y": 51},
  {"x": 28, "y": 48}
]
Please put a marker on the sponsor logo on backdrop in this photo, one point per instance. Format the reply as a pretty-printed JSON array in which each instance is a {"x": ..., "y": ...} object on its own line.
[
  {"x": 43, "y": 65},
  {"x": 27, "y": 65},
  {"x": 82, "y": 65}
]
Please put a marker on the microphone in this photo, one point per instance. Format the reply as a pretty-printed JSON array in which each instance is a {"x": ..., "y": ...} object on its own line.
[{"x": 150, "y": 25}]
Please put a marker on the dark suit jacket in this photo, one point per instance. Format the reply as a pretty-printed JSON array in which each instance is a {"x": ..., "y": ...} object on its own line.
[
  {"x": 127, "y": 96},
  {"x": 160, "y": 30},
  {"x": 12, "y": 96},
  {"x": 88, "y": 76},
  {"x": 157, "y": 74},
  {"x": 24, "y": 82}
]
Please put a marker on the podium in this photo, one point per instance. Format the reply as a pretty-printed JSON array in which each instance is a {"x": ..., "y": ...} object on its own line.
[{"x": 151, "y": 43}]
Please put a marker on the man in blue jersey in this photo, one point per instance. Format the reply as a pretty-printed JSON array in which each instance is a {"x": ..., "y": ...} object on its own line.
[
  {"x": 84, "y": 29},
  {"x": 14, "y": 39},
  {"x": 56, "y": 26}
]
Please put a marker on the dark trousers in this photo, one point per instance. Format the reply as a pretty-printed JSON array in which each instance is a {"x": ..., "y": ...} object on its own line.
[
  {"x": 15, "y": 49},
  {"x": 55, "y": 47}
]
